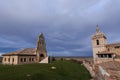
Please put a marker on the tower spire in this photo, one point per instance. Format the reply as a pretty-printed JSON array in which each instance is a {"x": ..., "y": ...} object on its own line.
[
  {"x": 97, "y": 28},
  {"x": 41, "y": 48}
]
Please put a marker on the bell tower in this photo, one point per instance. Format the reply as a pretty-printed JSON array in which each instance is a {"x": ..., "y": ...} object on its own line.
[
  {"x": 98, "y": 43},
  {"x": 41, "y": 48}
]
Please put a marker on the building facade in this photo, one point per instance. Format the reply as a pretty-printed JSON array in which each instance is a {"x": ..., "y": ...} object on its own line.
[
  {"x": 28, "y": 55},
  {"x": 103, "y": 52}
]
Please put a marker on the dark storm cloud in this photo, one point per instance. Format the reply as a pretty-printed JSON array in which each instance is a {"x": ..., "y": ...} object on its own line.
[{"x": 66, "y": 24}]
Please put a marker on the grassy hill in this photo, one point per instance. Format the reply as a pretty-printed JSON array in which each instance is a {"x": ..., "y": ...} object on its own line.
[{"x": 65, "y": 70}]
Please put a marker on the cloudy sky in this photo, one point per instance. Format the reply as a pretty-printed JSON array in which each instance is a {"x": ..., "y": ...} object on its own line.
[{"x": 67, "y": 24}]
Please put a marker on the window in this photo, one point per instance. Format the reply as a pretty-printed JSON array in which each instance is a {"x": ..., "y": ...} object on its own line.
[
  {"x": 24, "y": 59},
  {"x": 109, "y": 56},
  {"x": 30, "y": 59},
  {"x": 21, "y": 59},
  {"x": 117, "y": 47},
  {"x": 41, "y": 55},
  {"x": 5, "y": 59},
  {"x": 97, "y": 41},
  {"x": 8, "y": 59},
  {"x": 105, "y": 55},
  {"x": 13, "y": 60},
  {"x": 108, "y": 49},
  {"x": 101, "y": 55}
]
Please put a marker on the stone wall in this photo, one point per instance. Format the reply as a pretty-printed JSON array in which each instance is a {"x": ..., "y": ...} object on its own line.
[
  {"x": 10, "y": 60},
  {"x": 13, "y": 60},
  {"x": 89, "y": 67},
  {"x": 26, "y": 59},
  {"x": 101, "y": 60}
]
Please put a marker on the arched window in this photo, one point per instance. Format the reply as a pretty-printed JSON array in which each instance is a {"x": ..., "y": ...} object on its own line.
[
  {"x": 24, "y": 59},
  {"x": 5, "y": 59},
  {"x": 108, "y": 49},
  {"x": 13, "y": 60},
  {"x": 30, "y": 59},
  {"x": 21, "y": 59},
  {"x": 8, "y": 59},
  {"x": 97, "y": 41},
  {"x": 41, "y": 55}
]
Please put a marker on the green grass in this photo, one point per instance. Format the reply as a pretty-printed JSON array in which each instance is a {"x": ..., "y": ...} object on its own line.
[{"x": 65, "y": 70}]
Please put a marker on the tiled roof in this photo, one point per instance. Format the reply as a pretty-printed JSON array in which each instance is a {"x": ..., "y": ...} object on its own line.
[
  {"x": 105, "y": 53},
  {"x": 27, "y": 51},
  {"x": 113, "y": 68},
  {"x": 113, "y": 44}
]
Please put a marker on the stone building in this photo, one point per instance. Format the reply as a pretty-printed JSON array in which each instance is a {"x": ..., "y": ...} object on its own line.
[
  {"x": 106, "y": 57},
  {"x": 28, "y": 55},
  {"x": 103, "y": 52}
]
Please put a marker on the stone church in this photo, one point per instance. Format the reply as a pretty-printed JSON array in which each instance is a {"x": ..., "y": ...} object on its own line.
[
  {"x": 103, "y": 52},
  {"x": 28, "y": 55}
]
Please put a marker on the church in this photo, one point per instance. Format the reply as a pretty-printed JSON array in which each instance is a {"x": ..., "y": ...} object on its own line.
[
  {"x": 103, "y": 52},
  {"x": 28, "y": 55}
]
